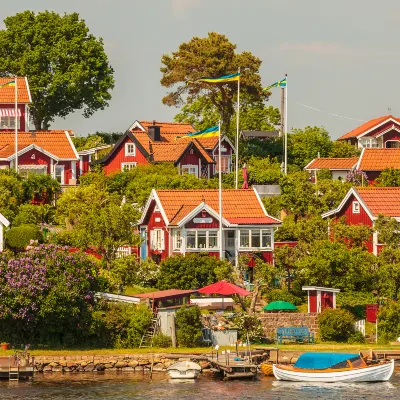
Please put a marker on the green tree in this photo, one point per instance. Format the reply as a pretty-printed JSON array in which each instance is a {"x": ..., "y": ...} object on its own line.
[
  {"x": 188, "y": 326},
  {"x": 66, "y": 65},
  {"x": 390, "y": 177},
  {"x": 353, "y": 235},
  {"x": 11, "y": 193},
  {"x": 389, "y": 271},
  {"x": 191, "y": 271},
  {"x": 342, "y": 149},
  {"x": 212, "y": 56},
  {"x": 40, "y": 187},
  {"x": 305, "y": 144},
  {"x": 337, "y": 325},
  {"x": 389, "y": 322},
  {"x": 388, "y": 230}
]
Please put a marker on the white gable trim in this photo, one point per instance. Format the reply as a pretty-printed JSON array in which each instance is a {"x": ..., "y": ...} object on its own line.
[
  {"x": 29, "y": 90},
  {"x": 376, "y": 126},
  {"x": 306, "y": 167},
  {"x": 359, "y": 160},
  {"x": 71, "y": 144},
  {"x": 137, "y": 124},
  {"x": 391, "y": 128},
  {"x": 202, "y": 206},
  {"x": 153, "y": 196},
  {"x": 355, "y": 193},
  {"x": 263, "y": 208},
  {"x": 222, "y": 139},
  {"x": 33, "y": 147},
  {"x": 4, "y": 221}
]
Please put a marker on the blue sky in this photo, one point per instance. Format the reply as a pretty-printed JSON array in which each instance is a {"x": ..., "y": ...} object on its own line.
[{"x": 341, "y": 57}]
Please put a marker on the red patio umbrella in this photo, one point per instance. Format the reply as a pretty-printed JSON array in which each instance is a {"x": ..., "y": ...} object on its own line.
[{"x": 224, "y": 288}]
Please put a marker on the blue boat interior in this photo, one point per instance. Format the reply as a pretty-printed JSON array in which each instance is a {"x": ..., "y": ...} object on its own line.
[{"x": 325, "y": 360}]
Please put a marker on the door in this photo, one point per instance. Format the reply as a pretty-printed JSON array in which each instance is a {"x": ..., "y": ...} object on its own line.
[
  {"x": 60, "y": 174},
  {"x": 143, "y": 246}
]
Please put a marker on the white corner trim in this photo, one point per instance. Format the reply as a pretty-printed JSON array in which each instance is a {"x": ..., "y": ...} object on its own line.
[
  {"x": 4, "y": 220},
  {"x": 359, "y": 160},
  {"x": 263, "y": 208}
]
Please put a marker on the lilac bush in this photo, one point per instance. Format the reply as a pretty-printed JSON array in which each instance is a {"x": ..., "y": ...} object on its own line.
[
  {"x": 357, "y": 177},
  {"x": 46, "y": 294}
]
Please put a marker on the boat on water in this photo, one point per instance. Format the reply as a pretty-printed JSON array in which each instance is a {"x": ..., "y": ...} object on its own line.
[
  {"x": 184, "y": 370},
  {"x": 333, "y": 367}
]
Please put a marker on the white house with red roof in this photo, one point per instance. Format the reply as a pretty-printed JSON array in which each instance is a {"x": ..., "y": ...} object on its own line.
[
  {"x": 185, "y": 221},
  {"x": 41, "y": 152},
  {"x": 381, "y": 133},
  {"x": 363, "y": 205},
  {"x": 162, "y": 142},
  {"x": 7, "y": 104}
]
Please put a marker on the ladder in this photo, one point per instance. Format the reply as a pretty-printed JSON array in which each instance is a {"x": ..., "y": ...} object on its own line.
[
  {"x": 13, "y": 373},
  {"x": 153, "y": 328}
]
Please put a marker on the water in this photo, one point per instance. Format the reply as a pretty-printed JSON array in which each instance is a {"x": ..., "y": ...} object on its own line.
[{"x": 126, "y": 385}]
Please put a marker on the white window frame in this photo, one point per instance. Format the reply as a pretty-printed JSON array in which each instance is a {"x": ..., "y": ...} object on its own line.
[
  {"x": 355, "y": 206},
  {"x": 157, "y": 239},
  {"x": 62, "y": 176},
  {"x": 261, "y": 232},
  {"x": 207, "y": 246},
  {"x": 177, "y": 240},
  {"x": 369, "y": 142},
  {"x": 25, "y": 170},
  {"x": 127, "y": 166},
  {"x": 190, "y": 169},
  {"x": 128, "y": 152},
  {"x": 228, "y": 166},
  {"x": 8, "y": 122}
]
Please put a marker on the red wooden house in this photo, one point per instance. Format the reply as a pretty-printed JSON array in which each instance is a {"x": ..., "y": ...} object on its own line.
[
  {"x": 184, "y": 221},
  {"x": 160, "y": 142},
  {"x": 41, "y": 152},
  {"x": 7, "y": 105},
  {"x": 363, "y": 205},
  {"x": 320, "y": 298}
]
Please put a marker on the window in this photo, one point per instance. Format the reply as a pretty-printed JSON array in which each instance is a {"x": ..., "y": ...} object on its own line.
[
  {"x": 201, "y": 240},
  {"x": 130, "y": 149},
  {"x": 255, "y": 238},
  {"x": 190, "y": 169},
  {"x": 392, "y": 144},
  {"x": 25, "y": 170},
  {"x": 59, "y": 174},
  {"x": 9, "y": 122},
  {"x": 356, "y": 207},
  {"x": 127, "y": 166},
  {"x": 157, "y": 239},
  {"x": 230, "y": 239},
  {"x": 177, "y": 240},
  {"x": 368, "y": 142},
  {"x": 225, "y": 164}
]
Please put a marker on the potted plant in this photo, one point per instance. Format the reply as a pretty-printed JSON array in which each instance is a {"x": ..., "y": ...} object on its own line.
[{"x": 5, "y": 346}]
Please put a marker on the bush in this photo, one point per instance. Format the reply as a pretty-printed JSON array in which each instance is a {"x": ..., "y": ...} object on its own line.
[
  {"x": 162, "y": 341},
  {"x": 30, "y": 214},
  {"x": 356, "y": 337},
  {"x": 188, "y": 326},
  {"x": 355, "y": 302},
  {"x": 389, "y": 322},
  {"x": 249, "y": 324},
  {"x": 18, "y": 237},
  {"x": 40, "y": 188},
  {"x": 336, "y": 325},
  {"x": 283, "y": 295}
]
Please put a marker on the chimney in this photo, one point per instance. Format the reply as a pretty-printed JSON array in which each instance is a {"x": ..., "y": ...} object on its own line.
[{"x": 154, "y": 132}]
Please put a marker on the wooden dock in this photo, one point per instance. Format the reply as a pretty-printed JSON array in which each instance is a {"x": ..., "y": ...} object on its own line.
[{"x": 11, "y": 368}]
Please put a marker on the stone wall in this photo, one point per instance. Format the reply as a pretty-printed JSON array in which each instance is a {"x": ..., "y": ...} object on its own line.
[{"x": 271, "y": 321}]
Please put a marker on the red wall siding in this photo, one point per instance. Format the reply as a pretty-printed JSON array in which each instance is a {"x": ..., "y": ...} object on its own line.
[
  {"x": 312, "y": 298},
  {"x": 67, "y": 171},
  {"x": 84, "y": 164},
  {"x": 354, "y": 219},
  {"x": 392, "y": 135},
  {"x": 39, "y": 159},
  {"x": 23, "y": 116},
  {"x": 152, "y": 224},
  {"x": 114, "y": 163},
  {"x": 190, "y": 159},
  {"x": 326, "y": 300},
  {"x": 213, "y": 225}
]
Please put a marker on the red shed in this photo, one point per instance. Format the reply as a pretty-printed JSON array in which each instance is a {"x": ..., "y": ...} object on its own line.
[{"x": 320, "y": 298}]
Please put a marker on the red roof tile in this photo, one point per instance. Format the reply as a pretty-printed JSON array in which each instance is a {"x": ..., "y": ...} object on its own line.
[
  {"x": 367, "y": 126},
  {"x": 238, "y": 205},
  {"x": 57, "y": 143},
  {"x": 164, "y": 294},
  {"x": 171, "y": 152},
  {"x": 332, "y": 163},
  {"x": 379, "y": 159},
  {"x": 381, "y": 200},
  {"x": 7, "y": 93},
  {"x": 175, "y": 128}
]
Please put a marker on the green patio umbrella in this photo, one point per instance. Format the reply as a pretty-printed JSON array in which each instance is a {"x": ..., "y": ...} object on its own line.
[{"x": 280, "y": 306}]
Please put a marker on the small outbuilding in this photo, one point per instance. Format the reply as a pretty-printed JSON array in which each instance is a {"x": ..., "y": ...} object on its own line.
[{"x": 320, "y": 298}]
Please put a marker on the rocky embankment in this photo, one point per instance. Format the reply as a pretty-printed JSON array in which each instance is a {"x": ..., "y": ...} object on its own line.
[{"x": 132, "y": 363}]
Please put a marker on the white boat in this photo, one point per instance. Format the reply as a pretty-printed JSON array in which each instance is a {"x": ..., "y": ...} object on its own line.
[
  {"x": 184, "y": 370},
  {"x": 328, "y": 367}
]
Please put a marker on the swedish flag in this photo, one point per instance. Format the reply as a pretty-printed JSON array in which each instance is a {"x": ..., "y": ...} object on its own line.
[
  {"x": 209, "y": 132},
  {"x": 221, "y": 79},
  {"x": 11, "y": 83},
  {"x": 281, "y": 83}
]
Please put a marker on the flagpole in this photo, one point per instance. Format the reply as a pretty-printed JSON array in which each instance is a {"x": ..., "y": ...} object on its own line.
[
  {"x": 237, "y": 132},
  {"x": 220, "y": 191},
  {"x": 16, "y": 124},
  {"x": 286, "y": 124}
]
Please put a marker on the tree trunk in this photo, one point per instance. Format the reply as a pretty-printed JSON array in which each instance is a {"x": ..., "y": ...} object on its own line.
[{"x": 256, "y": 291}]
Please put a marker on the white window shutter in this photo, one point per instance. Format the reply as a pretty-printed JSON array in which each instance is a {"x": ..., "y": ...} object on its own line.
[
  {"x": 152, "y": 240},
  {"x": 162, "y": 240}
]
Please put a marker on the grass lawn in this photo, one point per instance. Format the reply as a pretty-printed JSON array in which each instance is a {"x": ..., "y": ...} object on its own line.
[{"x": 332, "y": 346}]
